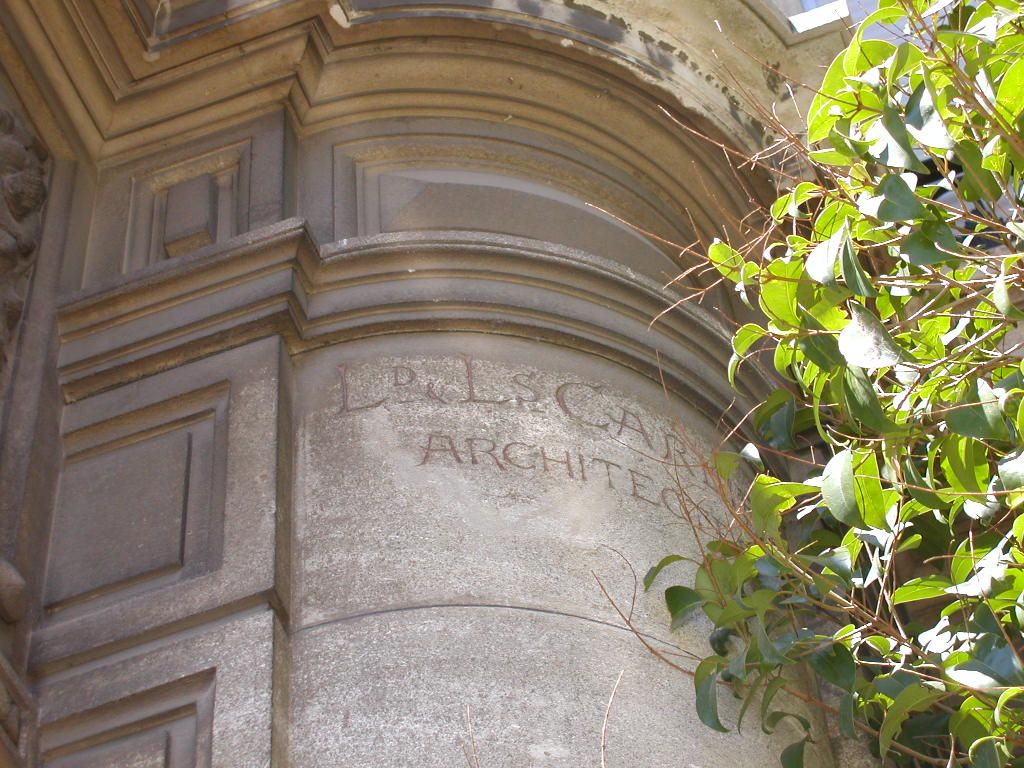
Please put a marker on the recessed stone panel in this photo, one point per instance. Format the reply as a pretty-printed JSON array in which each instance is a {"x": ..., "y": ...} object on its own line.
[
  {"x": 188, "y": 204},
  {"x": 170, "y": 203},
  {"x": 439, "y": 180},
  {"x": 117, "y": 523},
  {"x": 197, "y": 699},
  {"x": 138, "y": 508},
  {"x": 167, "y": 727},
  {"x": 167, "y": 507}
]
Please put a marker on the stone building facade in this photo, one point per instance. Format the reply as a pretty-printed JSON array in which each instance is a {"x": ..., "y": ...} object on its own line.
[{"x": 335, "y": 422}]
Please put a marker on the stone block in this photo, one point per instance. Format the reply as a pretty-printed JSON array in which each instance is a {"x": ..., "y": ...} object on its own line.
[
  {"x": 465, "y": 470},
  {"x": 167, "y": 503},
  {"x": 197, "y": 699},
  {"x": 403, "y": 688}
]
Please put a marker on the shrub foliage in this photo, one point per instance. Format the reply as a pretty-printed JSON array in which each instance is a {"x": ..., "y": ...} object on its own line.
[{"x": 884, "y": 291}]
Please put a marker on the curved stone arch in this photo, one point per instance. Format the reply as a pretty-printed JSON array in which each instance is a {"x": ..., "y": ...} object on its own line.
[
  {"x": 638, "y": 36},
  {"x": 574, "y": 96}
]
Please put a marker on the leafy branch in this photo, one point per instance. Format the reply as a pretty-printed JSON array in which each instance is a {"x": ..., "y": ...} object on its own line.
[{"x": 883, "y": 289}]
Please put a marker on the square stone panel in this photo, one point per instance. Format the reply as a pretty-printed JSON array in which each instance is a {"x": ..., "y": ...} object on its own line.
[
  {"x": 136, "y": 510},
  {"x": 204, "y": 694},
  {"x": 168, "y": 507},
  {"x": 167, "y": 727},
  {"x": 116, "y": 523}
]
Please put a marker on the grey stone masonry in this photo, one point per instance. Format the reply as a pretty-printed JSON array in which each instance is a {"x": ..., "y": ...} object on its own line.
[{"x": 349, "y": 385}]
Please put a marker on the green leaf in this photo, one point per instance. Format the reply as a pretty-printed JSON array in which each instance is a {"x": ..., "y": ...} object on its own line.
[
  {"x": 891, "y": 144},
  {"x": 977, "y": 183},
  {"x": 913, "y": 698},
  {"x": 837, "y": 490},
  {"x": 793, "y": 755},
  {"x": 746, "y": 336},
  {"x": 726, "y": 463},
  {"x": 931, "y": 243},
  {"x": 822, "y": 261},
  {"x": 652, "y": 574},
  {"x": 681, "y": 601},
  {"x": 768, "y": 499},
  {"x": 822, "y": 349},
  {"x": 862, "y": 401},
  {"x": 894, "y": 201},
  {"x": 836, "y": 665},
  {"x": 865, "y": 342},
  {"x": 924, "y": 121},
  {"x": 1001, "y": 294},
  {"x": 705, "y": 683},
  {"x": 769, "y": 653},
  {"x": 914, "y": 478},
  {"x": 856, "y": 280},
  {"x": 978, "y": 414},
  {"x": 1005, "y": 698},
  {"x": 776, "y": 717},
  {"x": 770, "y": 691},
  {"x": 727, "y": 260},
  {"x": 820, "y": 118},
  {"x": 1001, "y": 298},
  {"x": 829, "y": 157},
  {"x": 847, "y": 713},
  {"x": 984, "y": 753},
  {"x": 921, "y": 588},
  {"x": 907, "y": 55},
  {"x": 1010, "y": 94},
  {"x": 775, "y": 418},
  {"x": 868, "y": 489},
  {"x": 861, "y": 54},
  {"x": 734, "y": 365},
  {"x": 780, "y": 281},
  {"x": 965, "y": 463},
  {"x": 1011, "y": 472}
]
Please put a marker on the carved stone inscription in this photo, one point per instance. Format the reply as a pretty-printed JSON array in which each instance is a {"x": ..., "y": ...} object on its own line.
[
  {"x": 587, "y": 404},
  {"x": 458, "y": 478}
]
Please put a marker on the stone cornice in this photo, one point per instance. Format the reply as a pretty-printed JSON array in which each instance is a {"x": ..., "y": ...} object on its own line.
[
  {"x": 276, "y": 282},
  {"x": 124, "y": 92}
]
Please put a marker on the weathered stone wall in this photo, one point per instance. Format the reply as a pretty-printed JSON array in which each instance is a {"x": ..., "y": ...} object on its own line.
[
  {"x": 457, "y": 500},
  {"x": 341, "y": 425}
]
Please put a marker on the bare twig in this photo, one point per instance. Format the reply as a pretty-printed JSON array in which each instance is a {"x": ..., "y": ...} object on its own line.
[{"x": 607, "y": 713}]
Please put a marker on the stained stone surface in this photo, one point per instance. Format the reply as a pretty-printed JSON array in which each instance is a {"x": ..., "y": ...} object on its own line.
[
  {"x": 394, "y": 688},
  {"x": 468, "y": 470},
  {"x": 457, "y": 499},
  {"x": 261, "y": 506}
]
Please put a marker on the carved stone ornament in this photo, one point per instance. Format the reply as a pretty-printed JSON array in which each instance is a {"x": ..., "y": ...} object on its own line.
[{"x": 22, "y": 193}]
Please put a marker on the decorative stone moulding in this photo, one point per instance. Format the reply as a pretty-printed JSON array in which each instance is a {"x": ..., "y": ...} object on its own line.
[
  {"x": 147, "y": 72},
  {"x": 276, "y": 281},
  {"x": 22, "y": 194}
]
